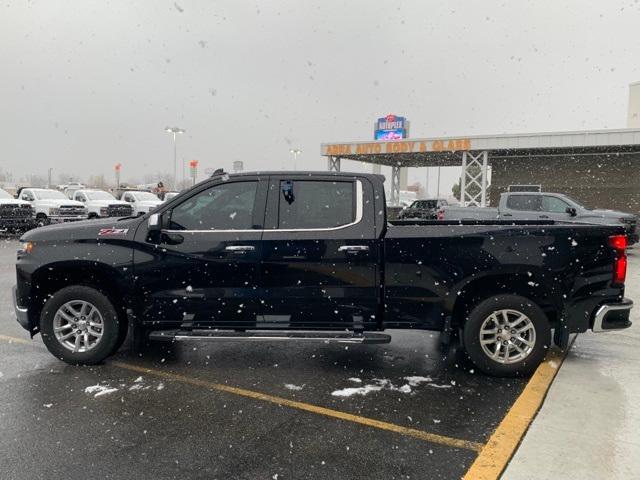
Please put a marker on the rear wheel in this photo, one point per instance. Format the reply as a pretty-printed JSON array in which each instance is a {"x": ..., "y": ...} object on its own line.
[
  {"x": 80, "y": 325},
  {"x": 507, "y": 335}
]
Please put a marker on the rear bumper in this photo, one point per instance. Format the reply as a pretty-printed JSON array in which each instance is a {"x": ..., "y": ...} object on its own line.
[
  {"x": 612, "y": 316},
  {"x": 22, "y": 313}
]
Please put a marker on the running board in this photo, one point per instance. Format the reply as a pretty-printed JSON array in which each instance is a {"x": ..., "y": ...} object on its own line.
[{"x": 269, "y": 335}]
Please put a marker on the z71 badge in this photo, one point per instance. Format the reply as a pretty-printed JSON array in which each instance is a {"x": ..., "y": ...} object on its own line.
[{"x": 104, "y": 232}]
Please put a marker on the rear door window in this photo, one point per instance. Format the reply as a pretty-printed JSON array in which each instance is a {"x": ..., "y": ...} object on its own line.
[
  {"x": 530, "y": 203},
  {"x": 309, "y": 204}
]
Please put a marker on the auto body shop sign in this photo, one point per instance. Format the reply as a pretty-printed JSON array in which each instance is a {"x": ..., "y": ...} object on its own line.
[{"x": 406, "y": 146}]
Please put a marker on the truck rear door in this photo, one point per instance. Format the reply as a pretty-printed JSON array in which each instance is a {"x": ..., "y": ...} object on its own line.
[
  {"x": 320, "y": 255},
  {"x": 521, "y": 207}
]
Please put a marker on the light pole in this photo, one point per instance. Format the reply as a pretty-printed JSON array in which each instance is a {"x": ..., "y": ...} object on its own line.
[
  {"x": 295, "y": 152},
  {"x": 175, "y": 131}
]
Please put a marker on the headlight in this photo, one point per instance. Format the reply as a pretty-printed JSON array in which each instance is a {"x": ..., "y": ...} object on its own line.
[
  {"x": 54, "y": 211},
  {"x": 104, "y": 210},
  {"x": 27, "y": 247}
]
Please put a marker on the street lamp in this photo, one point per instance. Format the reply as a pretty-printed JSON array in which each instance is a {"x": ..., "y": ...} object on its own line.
[
  {"x": 175, "y": 131},
  {"x": 295, "y": 152}
]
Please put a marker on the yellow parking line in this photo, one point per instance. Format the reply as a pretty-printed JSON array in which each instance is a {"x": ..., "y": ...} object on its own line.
[
  {"x": 22, "y": 341},
  {"x": 307, "y": 407},
  {"x": 411, "y": 432},
  {"x": 497, "y": 452}
]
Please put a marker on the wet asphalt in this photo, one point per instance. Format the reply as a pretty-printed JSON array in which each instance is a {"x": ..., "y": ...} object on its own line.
[{"x": 54, "y": 426}]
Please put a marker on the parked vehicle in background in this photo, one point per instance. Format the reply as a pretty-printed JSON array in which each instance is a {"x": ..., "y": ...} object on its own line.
[
  {"x": 311, "y": 256},
  {"x": 102, "y": 204},
  {"x": 15, "y": 215},
  {"x": 52, "y": 206},
  {"x": 425, "y": 209},
  {"x": 141, "y": 202},
  {"x": 543, "y": 206}
]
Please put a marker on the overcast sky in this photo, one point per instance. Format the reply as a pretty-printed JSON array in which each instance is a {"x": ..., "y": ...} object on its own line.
[{"x": 85, "y": 84}]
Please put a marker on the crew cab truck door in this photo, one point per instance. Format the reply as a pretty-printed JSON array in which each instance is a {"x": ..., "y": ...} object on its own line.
[
  {"x": 522, "y": 207},
  {"x": 554, "y": 208},
  {"x": 201, "y": 268},
  {"x": 320, "y": 263}
]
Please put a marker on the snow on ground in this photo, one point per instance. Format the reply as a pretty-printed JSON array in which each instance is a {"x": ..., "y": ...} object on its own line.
[
  {"x": 99, "y": 390},
  {"x": 385, "y": 384},
  {"x": 105, "y": 389},
  {"x": 291, "y": 386}
]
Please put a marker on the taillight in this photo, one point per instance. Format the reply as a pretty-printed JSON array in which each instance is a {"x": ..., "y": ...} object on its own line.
[
  {"x": 619, "y": 244},
  {"x": 440, "y": 215}
]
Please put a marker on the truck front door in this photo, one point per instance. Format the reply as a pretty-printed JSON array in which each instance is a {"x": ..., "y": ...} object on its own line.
[
  {"x": 554, "y": 208},
  {"x": 320, "y": 263},
  {"x": 203, "y": 268}
]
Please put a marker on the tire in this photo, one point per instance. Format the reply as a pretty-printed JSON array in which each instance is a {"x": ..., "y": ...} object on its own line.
[
  {"x": 521, "y": 352},
  {"x": 42, "y": 220},
  {"x": 70, "y": 301}
]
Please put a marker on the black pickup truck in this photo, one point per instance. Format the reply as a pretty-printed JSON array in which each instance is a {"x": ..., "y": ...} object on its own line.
[{"x": 311, "y": 256}]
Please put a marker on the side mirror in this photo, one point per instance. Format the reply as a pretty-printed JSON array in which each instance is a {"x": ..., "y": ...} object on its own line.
[
  {"x": 154, "y": 223},
  {"x": 571, "y": 211}
]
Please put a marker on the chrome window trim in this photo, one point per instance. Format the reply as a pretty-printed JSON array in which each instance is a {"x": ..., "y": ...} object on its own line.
[{"x": 358, "y": 219}]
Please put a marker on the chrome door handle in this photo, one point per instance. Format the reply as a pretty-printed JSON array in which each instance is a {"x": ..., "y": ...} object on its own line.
[
  {"x": 240, "y": 248},
  {"x": 353, "y": 248},
  {"x": 543, "y": 216}
]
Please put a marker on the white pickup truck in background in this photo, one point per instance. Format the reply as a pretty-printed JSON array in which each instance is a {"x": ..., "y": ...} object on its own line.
[
  {"x": 51, "y": 206},
  {"x": 142, "y": 202},
  {"x": 542, "y": 206},
  {"x": 102, "y": 204}
]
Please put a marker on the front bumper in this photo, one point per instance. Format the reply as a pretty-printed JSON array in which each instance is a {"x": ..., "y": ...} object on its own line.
[
  {"x": 67, "y": 218},
  {"x": 22, "y": 313},
  {"x": 20, "y": 222},
  {"x": 612, "y": 316}
]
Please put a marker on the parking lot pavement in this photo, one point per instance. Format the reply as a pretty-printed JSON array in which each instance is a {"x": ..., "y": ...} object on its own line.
[
  {"x": 237, "y": 410},
  {"x": 588, "y": 427}
]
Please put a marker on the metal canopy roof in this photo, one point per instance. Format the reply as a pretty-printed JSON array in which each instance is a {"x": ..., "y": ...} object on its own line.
[{"x": 446, "y": 151}]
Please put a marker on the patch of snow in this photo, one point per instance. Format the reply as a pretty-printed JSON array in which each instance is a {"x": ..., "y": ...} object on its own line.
[
  {"x": 99, "y": 390},
  {"x": 349, "y": 392},
  {"x": 355, "y": 379},
  {"x": 416, "y": 380},
  {"x": 291, "y": 386}
]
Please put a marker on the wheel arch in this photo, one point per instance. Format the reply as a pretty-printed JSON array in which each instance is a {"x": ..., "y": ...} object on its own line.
[
  {"x": 53, "y": 277},
  {"x": 530, "y": 284}
]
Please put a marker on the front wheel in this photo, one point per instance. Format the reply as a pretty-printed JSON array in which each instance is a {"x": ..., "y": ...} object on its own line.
[
  {"x": 42, "y": 220},
  {"x": 507, "y": 335},
  {"x": 80, "y": 325}
]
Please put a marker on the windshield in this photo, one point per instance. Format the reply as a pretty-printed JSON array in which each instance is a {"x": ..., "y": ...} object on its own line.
[
  {"x": 145, "y": 196},
  {"x": 100, "y": 196},
  {"x": 49, "y": 195},
  {"x": 4, "y": 194}
]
